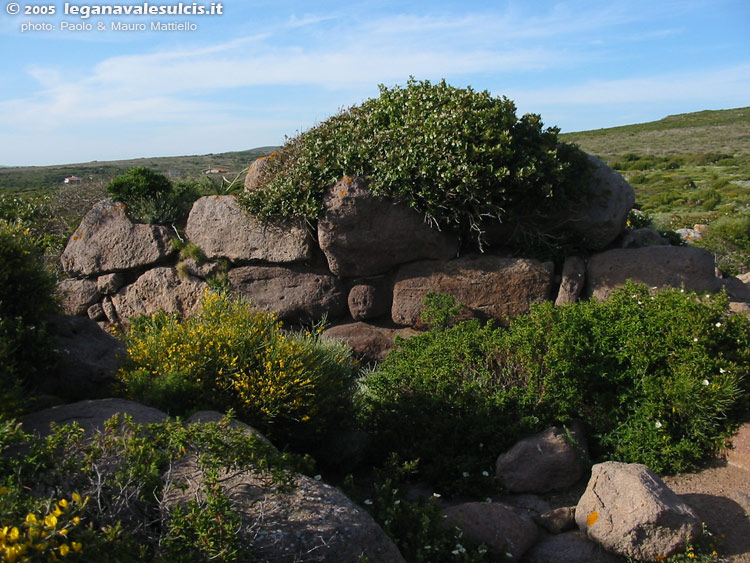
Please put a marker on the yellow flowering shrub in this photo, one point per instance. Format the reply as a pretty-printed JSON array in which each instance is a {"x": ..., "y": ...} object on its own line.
[
  {"x": 42, "y": 537},
  {"x": 232, "y": 356}
]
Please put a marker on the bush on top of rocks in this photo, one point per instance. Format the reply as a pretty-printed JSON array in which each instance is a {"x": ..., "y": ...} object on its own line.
[{"x": 460, "y": 157}]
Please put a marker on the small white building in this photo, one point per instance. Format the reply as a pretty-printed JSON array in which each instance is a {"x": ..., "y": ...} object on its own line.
[{"x": 72, "y": 180}]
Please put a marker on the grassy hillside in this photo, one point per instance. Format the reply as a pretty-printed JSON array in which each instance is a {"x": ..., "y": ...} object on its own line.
[
  {"x": 42, "y": 178},
  {"x": 686, "y": 169}
]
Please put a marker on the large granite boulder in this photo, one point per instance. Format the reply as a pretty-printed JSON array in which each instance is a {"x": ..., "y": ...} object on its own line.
[
  {"x": 76, "y": 296},
  {"x": 656, "y": 266},
  {"x": 107, "y": 240},
  {"x": 488, "y": 286},
  {"x": 221, "y": 228},
  {"x": 308, "y": 521},
  {"x": 159, "y": 289},
  {"x": 364, "y": 235},
  {"x": 90, "y": 415},
  {"x": 628, "y": 510},
  {"x": 601, "y": 220},
  {"x": 255, "y": 172},
  {"x": 89, "y": 359},
  {"x": 370, "y": 343},
  {"x": 503, "y": 529},
  {"x": 570, "y": 547},
  {"x": 293, "y": 293},
  {"x": 550, "y": 460}
]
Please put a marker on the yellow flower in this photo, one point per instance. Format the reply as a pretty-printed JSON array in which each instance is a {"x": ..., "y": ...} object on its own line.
[
  {"x": 31, "y": 518},
  {"x": 76, "y": 497},
  {"x": 76, "y": 546},
  {"x": 50, "y": 521},
  {"x": 63, "y": 503},
  {"x": 64, "y": 549},
  {"x": 3, "y": 490}
]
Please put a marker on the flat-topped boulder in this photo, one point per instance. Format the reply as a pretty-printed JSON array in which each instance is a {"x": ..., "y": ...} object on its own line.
[
  {"x": 159, "y": 289},
  {"x": 293, "y": 293},
  {"x": 107, "y": 241},
  {"x": 222, "y": 229},
  {"x": 656, "y": 266},
  {"x": 365, "y": 235},
  {"x": 488, "y": 286}
]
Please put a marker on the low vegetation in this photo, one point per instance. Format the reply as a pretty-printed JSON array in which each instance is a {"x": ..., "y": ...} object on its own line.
[
  {"x": 294, "y": 387},
  {"x": 687, "y": 169}
]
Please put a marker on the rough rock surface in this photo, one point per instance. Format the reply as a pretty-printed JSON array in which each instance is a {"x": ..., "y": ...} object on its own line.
[
  {"x": 744, "y": 278},
  {"x": 370, "y": 343},
  {"x": 603, "y": 218},
  {"x": 292, "y": 293},
  {"x": 370, "y": 298},
  {"x": 654, "y": 524},
  {"x": 571, "y": 547},
  {"x": 90, "y": 357},
  {"x": 736, "y": 289},
  {"x": 366, "y": 235},
  {"x": 558, "y": 520},
  {"x": 497, "y": 525},
  {"x": 550, "y": 460},
  {"x": 76, "y": 296},
  {"x": 221, "y": 228},
  {"x": 108, "y": 241},
  {"x": 573, "y": 280},
  {"x": 109, "y": 284},
  {"x": 488, "y": 286},
  {"x": 91, "y": 415},
  {"x": 312, "y": 522},
  {"x": 255, "y": 173},
  {"x": 739, "y": 455},
  {"x": 656, "y": 266},
  {"x": 156, "y": 290}
]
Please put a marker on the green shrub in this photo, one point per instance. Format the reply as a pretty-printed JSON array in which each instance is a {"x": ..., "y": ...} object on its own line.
[
  {"x": 152, "y": 198},
  {"x": 294, "y": 387},
  {"x": 99, "y": 499},
  {"x": 458, "y": 156},
  {"x": 660, "y": 378},
  {"x": 728, "y": 239},
  {"x": 26, "y": 288}
]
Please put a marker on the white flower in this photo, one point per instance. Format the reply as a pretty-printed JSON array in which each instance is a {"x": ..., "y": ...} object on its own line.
[
  {"x": 695, "y": 340},
  {"x": 705, "y": 382},
  {"x": 465, "y": 473},
  {"x": 658, "y": 424},
  {"x": 436, "y": 495},
  {"x": 368, "y": 501},
  {"x": 485, "y": 473},
  {"x": 396, "y": 501},
  {"x": 722, "y": 370},
  {"x": 717, "y": 325},
  {"x": 488, "y": 500},
  {"x": 318, "y": 477}
]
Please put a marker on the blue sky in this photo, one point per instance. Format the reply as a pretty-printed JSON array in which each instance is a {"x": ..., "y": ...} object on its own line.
[{"x": 266, "y": 69}]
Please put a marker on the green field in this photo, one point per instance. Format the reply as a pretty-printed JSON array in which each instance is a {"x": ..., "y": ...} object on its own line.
[
  {"x": 685, "y": 169},
  {"x": 44, "y": 178}
]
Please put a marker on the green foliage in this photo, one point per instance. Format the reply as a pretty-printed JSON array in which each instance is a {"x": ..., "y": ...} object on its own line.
[
  {"x": 112, "y": 487},
  {"x": 151, "y": 197},
  {"x": 138, "y": 183},
  {"x": 728, "y": 239},
  {"x": 417, "y": 527},
  {"x": 660, "y": 378},
  {"x": 26, "y": 302},
  {"x": 460, "y": 157},
  {"x": 294, "y": 387}
]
